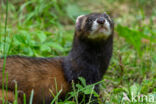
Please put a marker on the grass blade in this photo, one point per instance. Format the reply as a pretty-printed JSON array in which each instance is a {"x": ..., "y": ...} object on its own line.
[
  {"x": 4, "y": 50},
  {"x": 31, "y": 97}
]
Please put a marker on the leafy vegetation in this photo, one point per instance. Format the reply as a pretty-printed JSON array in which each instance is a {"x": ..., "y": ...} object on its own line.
[{"x": 44, "y": 28}]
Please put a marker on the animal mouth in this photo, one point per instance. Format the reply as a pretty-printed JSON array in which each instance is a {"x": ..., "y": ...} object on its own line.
[
  {"x": 102, "y": 29},
  {"x": 99, "y": 33}
]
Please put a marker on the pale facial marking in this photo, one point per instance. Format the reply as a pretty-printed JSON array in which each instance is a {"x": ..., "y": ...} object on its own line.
[
  {"x": 95, "y": 26},
  {"x": 83, "y": 22},
  {"x": 104, "y": 29}
]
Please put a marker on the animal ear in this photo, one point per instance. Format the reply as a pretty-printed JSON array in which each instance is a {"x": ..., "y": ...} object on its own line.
[
  {"x": 78, "y": 21},
  {"x": 78, "y": 18},
  {"x": 108, "y": 16},
  {"x": 105, "y": 13}
]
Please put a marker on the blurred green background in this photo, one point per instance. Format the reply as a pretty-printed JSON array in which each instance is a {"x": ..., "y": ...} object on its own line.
[{"x": 45, "y": 28}]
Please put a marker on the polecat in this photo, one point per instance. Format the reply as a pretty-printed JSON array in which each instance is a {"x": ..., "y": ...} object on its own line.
[{"x": 89, "y": 58}]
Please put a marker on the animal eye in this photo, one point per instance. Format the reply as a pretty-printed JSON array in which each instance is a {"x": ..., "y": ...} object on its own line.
[{"x": 90, "y": 20}]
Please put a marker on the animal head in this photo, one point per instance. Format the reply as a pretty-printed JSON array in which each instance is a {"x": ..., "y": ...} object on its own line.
[{"x": 94, "y": 26}]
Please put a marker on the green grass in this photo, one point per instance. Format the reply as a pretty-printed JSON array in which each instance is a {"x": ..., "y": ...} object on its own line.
[{"x": 45, "y": 28}]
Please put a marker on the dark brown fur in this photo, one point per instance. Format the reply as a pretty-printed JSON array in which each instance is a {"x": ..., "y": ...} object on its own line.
[
  {"x": 38, "y": 74},
  {"x": 9, "y": 95}
]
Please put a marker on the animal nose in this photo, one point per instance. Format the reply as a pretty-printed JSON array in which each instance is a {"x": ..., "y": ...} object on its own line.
[{"x": 101, "y": 20}]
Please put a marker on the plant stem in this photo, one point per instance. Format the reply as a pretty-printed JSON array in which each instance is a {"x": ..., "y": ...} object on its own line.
[{"x": 4, "y": 50}]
